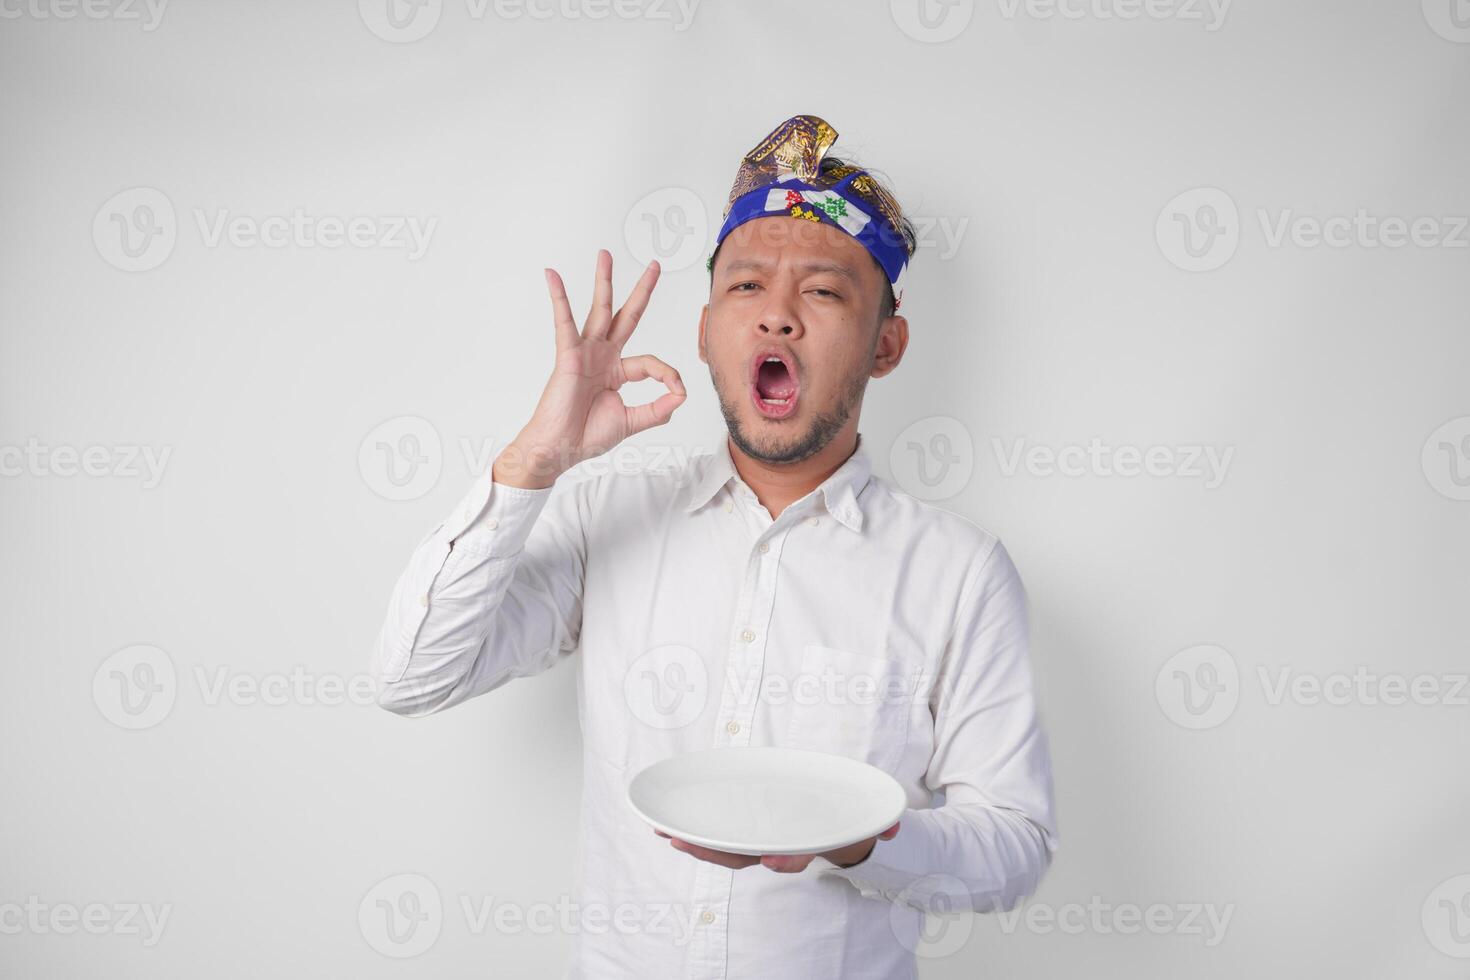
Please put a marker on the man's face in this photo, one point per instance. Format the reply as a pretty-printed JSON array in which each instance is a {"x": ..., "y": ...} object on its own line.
[{"x": 803, "y": 296}]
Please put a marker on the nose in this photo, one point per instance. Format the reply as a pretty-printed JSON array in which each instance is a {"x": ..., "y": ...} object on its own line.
[{"x": 779, "y": 317}]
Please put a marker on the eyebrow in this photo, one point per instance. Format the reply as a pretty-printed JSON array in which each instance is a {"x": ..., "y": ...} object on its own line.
[{"x": 805, "y": 267}]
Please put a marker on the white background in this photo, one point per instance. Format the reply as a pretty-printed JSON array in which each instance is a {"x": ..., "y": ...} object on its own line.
[{"x": 1055, "y": 158}]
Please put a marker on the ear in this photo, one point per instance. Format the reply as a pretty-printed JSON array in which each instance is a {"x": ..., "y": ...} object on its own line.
[
  {"x": 703, "y": 316},
  {"x": 893, "y": 340}
]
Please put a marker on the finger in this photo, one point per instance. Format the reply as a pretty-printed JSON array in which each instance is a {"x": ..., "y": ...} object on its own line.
[
  {"x": 890, "y": 833},
  {"x": 722, "y": 858},
  {"x": 657, "y": 412},
  {"x": 787, "y": 863},
  {"x": 632, "y": 311},
  {"x": 561, "y": 311},
  {"x": 599, "y": 318},
  {"x": 661, "y": 833},
  {"x": 641, "y": 367}
]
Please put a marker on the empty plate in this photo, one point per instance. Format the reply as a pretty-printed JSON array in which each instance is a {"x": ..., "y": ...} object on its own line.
[{"x": 767, "y": 800}]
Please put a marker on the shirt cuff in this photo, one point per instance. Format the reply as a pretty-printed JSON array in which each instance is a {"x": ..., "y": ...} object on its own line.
[{"x": 494, "y": 520}]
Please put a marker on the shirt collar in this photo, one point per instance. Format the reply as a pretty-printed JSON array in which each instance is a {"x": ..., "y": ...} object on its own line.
[{"x": 839, "y": 492}]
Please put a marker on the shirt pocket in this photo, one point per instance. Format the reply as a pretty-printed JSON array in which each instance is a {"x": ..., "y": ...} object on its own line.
[{"x": 851, "y": 704}]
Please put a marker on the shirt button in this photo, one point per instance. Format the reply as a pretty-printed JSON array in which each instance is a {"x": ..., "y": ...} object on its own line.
[
  {"x": 746, "y": 635},
  {"x": 424, "y": 601},
  {"x": 812, "y": 520},
  {"x": 729, "y": 506},
  {"x": 707, "y": 917},
  {"x": 765, "y": 547},
  {"x": 733, "y": 727},
  {"x": 492, "y": 523}
]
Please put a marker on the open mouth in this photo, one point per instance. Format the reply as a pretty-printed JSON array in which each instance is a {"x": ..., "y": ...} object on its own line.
[{"x": 775, "y": 384}]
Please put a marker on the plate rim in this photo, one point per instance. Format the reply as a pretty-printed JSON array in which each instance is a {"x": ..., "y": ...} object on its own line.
[{"x": 734, "y": 847}]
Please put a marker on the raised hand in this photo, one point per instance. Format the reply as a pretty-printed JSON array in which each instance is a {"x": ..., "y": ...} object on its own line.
[{"x": 581, "y": 414}]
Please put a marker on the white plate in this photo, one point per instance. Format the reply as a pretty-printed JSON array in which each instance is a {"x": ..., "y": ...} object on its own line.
[{"x": 767, "y": 800}]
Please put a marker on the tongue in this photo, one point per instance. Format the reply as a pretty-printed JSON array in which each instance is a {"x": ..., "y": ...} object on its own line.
[{"x": 774, "y": 381}]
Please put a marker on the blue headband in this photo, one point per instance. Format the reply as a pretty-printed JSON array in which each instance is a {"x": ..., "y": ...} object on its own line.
[{"x": 786, "y": 174}]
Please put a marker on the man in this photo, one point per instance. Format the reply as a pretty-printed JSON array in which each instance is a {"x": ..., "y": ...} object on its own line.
[{"x": 690, "y": 591}]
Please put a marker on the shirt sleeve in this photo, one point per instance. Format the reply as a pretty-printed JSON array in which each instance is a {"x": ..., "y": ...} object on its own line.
[
  {"x": 493, "y": 593},
  {"x": 989, "y": 844}
]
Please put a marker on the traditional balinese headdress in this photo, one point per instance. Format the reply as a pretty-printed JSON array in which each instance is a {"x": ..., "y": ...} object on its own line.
[{"x": 785, "y": 173}]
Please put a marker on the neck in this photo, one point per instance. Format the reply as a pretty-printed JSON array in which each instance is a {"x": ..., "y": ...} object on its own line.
[{"x": 778, "y": 485}]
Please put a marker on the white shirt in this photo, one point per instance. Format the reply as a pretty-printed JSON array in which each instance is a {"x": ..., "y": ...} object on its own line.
[{"x": 861, "y": 621}]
